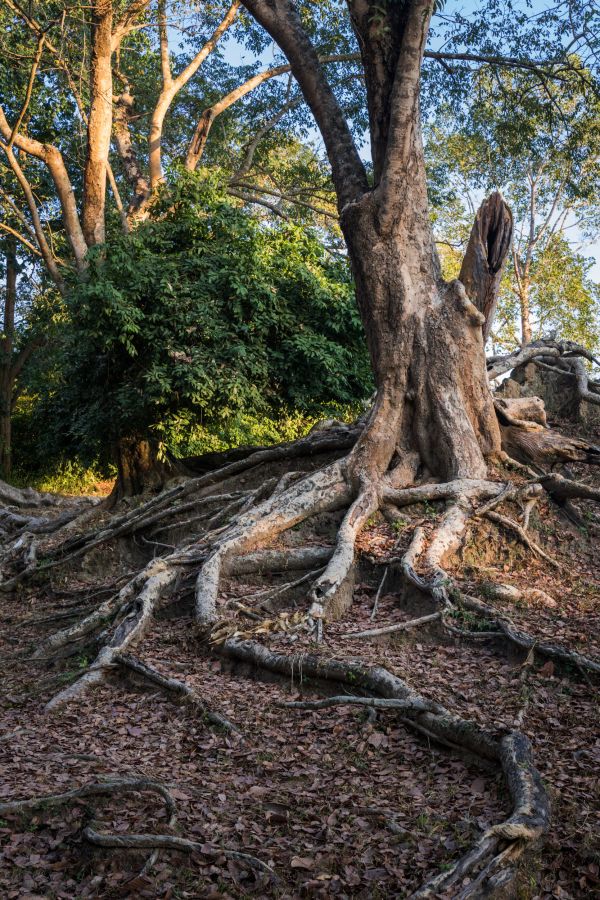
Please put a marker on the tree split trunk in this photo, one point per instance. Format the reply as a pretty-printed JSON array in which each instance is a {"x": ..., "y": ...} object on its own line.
[{"x": 434, "y": 412}]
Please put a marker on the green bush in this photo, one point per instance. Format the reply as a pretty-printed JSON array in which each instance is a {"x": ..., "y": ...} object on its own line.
[{"x": 205, "y": 325}]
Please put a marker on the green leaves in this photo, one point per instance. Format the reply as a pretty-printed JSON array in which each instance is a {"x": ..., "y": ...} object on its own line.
[{"x": 210, "y": 313}]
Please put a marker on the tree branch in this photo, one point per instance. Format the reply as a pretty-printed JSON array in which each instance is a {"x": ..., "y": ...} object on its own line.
[
  {"x": 126, "y": 22},
  {"x": 172, "y": 86},
  {"x": 198, "y": 142},
  {"x": 403, "y": 133},
  {"x": 282, "y": 21},
  {"x": 20, "y": 238},
  {"x": 28, "y": 93},
  {"x": 45, "y": 250}
]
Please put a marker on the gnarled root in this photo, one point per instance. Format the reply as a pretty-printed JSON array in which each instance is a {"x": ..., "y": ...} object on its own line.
[
  {"x": 153, "y": 842},
  {"x": 328, "y": 586},
  {"x": 322, "y": 491},
  {"x": 173, "y": 686},
  {"x": 156, "y": 578},
  {"x": 487, "y": 862},
  {"x": 167, "y": 505},
  {"x": 449, "y": 597}
]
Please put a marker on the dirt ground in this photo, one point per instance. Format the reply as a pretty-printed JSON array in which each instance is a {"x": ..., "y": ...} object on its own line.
[{"x": 341, "y": 802}]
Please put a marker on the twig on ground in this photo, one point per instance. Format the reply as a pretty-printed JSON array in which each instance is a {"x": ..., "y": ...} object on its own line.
[
  {"x": 378, "y": 594},
  {"x": 399, "y": 626}
]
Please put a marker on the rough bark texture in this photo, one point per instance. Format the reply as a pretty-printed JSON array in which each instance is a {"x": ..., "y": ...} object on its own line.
[
  {"x": 99, "y": 124},
  {"x": 425, "y": 341},
  {"x": 126, "y": 151}
]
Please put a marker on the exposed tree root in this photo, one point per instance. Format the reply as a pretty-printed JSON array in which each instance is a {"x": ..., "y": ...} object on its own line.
[
  {"x": 512, "y": 752},
  {"x": 450, "y": 598},
  {"x": 526, "y": 642},
  {"x": 400, "y": 626},
  {"x": 94, "y": 789},
  {"x": 235, "y": 527},
  {"x": 322, "y": 491},
  {"x": 163, "y": 506},
  {"x": 566, "y": 489},
  {"x": 129, "y": 841},
  {"x": 154, "y": 581},
  {"x": 170, "y": 842},
  {"x": 522, "y": 535},
  {"x": 174, "y": 687},
  {"x": 328, "y": 586},
  {"x": 25, "y": 498},
  {"x": 544, "y": 349}
]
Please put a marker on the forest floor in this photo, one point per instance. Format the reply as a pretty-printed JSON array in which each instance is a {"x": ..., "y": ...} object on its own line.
[{"x": 337, "y": 802}]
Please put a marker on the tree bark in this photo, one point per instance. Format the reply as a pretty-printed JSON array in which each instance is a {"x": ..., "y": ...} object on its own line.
[
  {"x": 434, "y": 410},
  {"x": 99, "y": 124},
  {"x": 487, "y": 250},
  {"x": 133, "y": 171},
  {"x": 139, "y": 467},
  {"x": 171, "y": 86},
  {"x": 526, "y": 330}
]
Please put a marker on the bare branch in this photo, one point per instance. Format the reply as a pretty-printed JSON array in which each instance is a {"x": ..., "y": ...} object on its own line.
[
  {"x": 127, "y": 20},
  {"x": 282, "y": 21},
  {"x": 172, "y": 86},
  {"x": 45, "y": 250},
  {"x": 198, "y": 142}
]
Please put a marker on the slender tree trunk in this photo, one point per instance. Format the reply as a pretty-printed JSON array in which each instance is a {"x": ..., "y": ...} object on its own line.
[
  {"x": 99, "y": 124},
  {"x": 526, "y": 331},
  {"x": 5, "y": 440},
  {"x": 6, "y": 359},
  {"x": 133, "y": 171}
]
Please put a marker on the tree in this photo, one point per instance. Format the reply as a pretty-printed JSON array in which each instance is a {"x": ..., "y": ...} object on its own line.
[
  {"x": 123, "y": 140},
  {"x": 20, "y": 339},
  {"x": 430, "y": 435}
]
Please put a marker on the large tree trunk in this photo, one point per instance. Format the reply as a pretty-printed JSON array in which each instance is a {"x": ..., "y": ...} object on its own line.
[
  {"x": 434, "y": 412},
  {"x": 434, "y": 409},
  {"x": 140, "y": 467}
]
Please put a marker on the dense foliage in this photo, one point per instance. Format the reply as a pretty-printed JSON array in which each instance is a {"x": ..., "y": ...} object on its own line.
[{"x": 203, "y": 315}]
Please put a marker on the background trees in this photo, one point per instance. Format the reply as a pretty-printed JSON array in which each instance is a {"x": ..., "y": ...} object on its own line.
[
  {"x": 536, "y": 140},
  {"x": 201, "y": 317}
]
